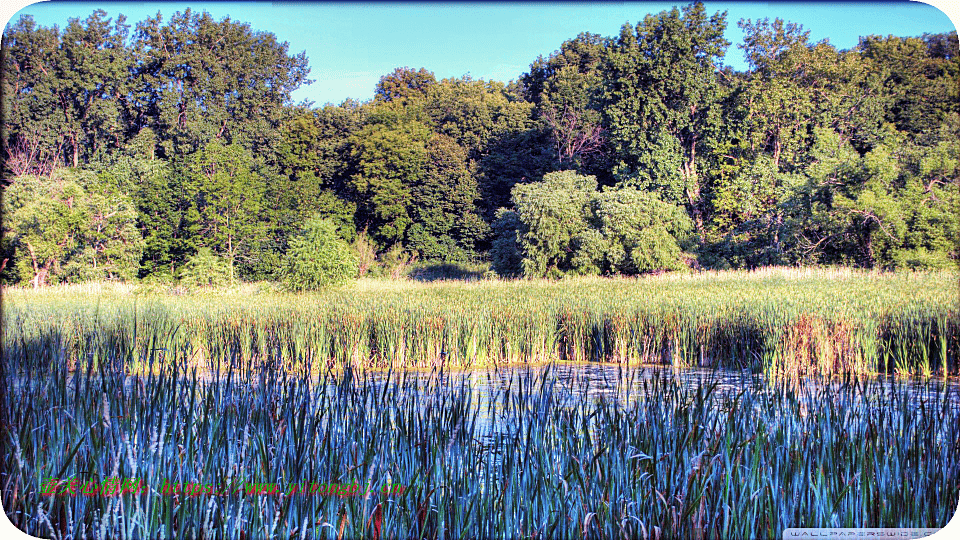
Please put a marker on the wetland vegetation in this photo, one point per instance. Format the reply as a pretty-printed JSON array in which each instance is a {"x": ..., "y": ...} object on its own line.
[
  {"x": 260, "y": 386},
  {"x": 735, "y": 308}
]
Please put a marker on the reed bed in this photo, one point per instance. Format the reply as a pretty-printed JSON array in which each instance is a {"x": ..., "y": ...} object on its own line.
[
  {"x": 670, "y": 459},
  {"x": 252, "y": 386},
  {"x": 783, "y": 321}
]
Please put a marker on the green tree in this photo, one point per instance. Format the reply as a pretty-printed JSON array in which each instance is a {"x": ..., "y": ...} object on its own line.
[
  {"x": 42, "y": 221},
  {"x": 563, "y": 225},
  {"x": 566, "y": 89},
  {"x": 226, "y": 194},
  {"x": 201, "y": 79},
  {"x": 314, "y": 164},
  {"x": 67, "y": 91},
  {"x": 475, "y": 112},
  {"x": 156, "y": 189},
  {"x": 640, "y": 232},
  {"x": 447, "y": 226},
  {"x": 506, "y": 254},
  {"x": 554, "y": 214},
  {"x": 318, "y": 257},
  {"x": 404, "y": 84},
  {"x": 205, "y": 269},
  {"x": 920, "y": 78},
  {"x": 73, "y": 226},
  {"x": 777, "y": 100},
  {"x": 892, "y": 207},
  {"x": 496, "y": 127},
  {"x": 661, "y": 102},
  {"x": 389, "y": 161}
]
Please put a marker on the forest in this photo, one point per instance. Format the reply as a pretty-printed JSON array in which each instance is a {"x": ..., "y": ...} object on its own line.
[{"x": 171, "y": 150}]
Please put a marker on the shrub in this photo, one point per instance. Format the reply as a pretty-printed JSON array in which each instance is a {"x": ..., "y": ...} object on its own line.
[
  {"x": 205, "y": 269},
  {"x": 318, "y": 257},
  {"x": 563, "y": 226}
]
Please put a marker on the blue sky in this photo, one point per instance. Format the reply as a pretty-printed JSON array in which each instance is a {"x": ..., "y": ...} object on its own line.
[{"x": 350, "y": 45}]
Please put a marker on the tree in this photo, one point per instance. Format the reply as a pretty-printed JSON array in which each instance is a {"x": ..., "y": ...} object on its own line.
[
  {"x": 506, "y": 254},
  {"x": 920, "y": 77},
  {"x": 389, "y": 161},
  {"x": 566, "y": 89},
  {"x": 73, "y": 226},
  {"x": 554, "y": 214},
  {"x": 199, "y": 79},
  {"x": 42, "y": 222},
  {"x": 68, "y": 90},
  {"x": 404, "y": 84},
  {"x": 563, "y": 225},
  {"x": 111, "y": 244},
  {"x": 156, "y": 188},
  {"x": 892, "y": 207},
  {"x": 446, "y": 225},
  {"x": 205, "y": 269},
  {"x": 496, "y": 127},
  {"x": 318, "y": 257},
  {"x": 778, "y": 104},
  {"x": 226, "y": 194},
  {"x": 640, "y": 232},
  {"x": 660, "y": 101},
  {"x": 314, "y": 167}
]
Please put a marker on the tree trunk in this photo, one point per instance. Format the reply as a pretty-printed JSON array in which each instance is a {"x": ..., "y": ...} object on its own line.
[
  {"x": 693, "y": 187},
  {"x": 777, "y": 145},
  {"x": 230, "y": 250}
]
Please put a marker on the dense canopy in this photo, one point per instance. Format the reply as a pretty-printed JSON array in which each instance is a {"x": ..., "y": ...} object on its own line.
[{"x": 130, "y": 150}]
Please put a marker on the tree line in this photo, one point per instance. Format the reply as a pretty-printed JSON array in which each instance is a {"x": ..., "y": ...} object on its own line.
[{"x": 172, "y": 149}]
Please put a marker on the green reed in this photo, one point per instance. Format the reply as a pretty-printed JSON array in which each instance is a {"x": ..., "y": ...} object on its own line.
[
  {"x": 660, "y": 457},
  {"x": 787, "y": 321}
]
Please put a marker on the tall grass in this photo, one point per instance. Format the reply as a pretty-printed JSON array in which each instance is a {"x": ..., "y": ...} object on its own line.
[
  {"x": 667, "y": 459},
  {"x": 791, "y": 322},
  {"x": 237, "y": 386}
]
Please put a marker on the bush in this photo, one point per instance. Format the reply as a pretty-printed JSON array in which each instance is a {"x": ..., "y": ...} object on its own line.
[
  {"x": 205, "y": 269},
  {"x": 318, "y": 258},
  {"x": 564, "y": 226},
  {"x": 397, "y": 262}
]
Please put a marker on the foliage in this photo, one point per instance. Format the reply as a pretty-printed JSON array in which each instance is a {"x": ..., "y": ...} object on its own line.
[
  {"x": 404, "y": 84},
  {"x": 366, "y": 251},
  {"x": 226, "y": 194},
  {"x": 446, "y": 225},
  {"x": 71, "y": 227},
  {"x": 389, "y": 160},
  {"x": 505, "y": 252},
  {"x": 204, "y": 269},
  {"x": 201, "y": 80},
  {"x": 318, "y": 257},
  {"x": 68, "y": 88},
  {"x": 566, "y": 89},
  {"x": 563, "y": 225},
  {"x": 396, "y": 262},
  {"x": 554, "y": 214},
  {"x": 812, "y": 155},
  {"x": 640, "y": 232},
  {"x": 154, "y": 185},
  {"x": 661, "y": 101}
]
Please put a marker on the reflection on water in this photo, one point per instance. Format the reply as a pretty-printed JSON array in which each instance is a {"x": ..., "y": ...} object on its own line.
[{"x": 572, "y": 385}]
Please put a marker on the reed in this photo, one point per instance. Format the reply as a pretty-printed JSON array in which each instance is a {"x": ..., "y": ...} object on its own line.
[
  {"x": 659, "y": 457},
  {"x": 783, "y": 321}
]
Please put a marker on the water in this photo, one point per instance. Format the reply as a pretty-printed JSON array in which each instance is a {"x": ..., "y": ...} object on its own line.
[{"x": 585, "y": 385}]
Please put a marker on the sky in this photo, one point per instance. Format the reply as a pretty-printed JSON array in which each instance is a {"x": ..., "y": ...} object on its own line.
[{"x": 351, "y": 45}]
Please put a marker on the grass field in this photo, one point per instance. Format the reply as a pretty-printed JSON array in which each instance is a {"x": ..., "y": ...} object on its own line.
[
  {"x": 230, "y": 387},
  {"x": 779, "y": 320}
]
